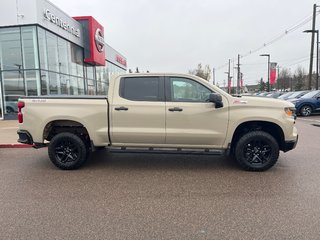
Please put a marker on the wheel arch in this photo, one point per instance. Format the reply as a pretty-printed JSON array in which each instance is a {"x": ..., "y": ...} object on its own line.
[
  {"x": 305, "y": 104},
  {"x": 272, "y": 128},
  {"x": 57, "y": 126}
]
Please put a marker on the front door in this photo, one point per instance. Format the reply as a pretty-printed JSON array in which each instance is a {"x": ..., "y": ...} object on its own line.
[
  {"x": 190, "y": 119},
  {"x": 138, "y": 112}
]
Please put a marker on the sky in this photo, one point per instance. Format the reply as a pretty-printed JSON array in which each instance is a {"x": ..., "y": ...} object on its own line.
[{"x": 177, "y": 35}]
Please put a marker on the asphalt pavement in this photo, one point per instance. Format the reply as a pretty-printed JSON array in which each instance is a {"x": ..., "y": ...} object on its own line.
[{"x": 148, "y": 196}]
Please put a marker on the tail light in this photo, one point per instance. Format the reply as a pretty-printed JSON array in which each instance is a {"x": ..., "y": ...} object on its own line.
[{"x": 20, "y": 115}]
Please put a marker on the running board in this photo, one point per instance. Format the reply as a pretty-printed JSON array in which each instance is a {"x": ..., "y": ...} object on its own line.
[{"x": 168, "y": 151}]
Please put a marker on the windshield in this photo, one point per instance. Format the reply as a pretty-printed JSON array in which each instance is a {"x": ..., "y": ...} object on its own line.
[
  {"x": 311, "y": 94},
  {"x": 285, "y": 95},
  {"x": 295, "y": 94}
]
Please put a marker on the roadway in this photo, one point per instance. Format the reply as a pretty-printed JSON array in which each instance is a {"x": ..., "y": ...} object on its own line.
[{"x": 134, "y": 196}]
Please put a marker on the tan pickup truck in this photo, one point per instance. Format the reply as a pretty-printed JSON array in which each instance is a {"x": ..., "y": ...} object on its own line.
[{"x": 159, "y": 113}]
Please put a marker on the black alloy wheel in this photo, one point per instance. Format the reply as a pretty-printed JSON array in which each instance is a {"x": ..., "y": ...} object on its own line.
[
  {"x": 257, "y": 151},
  {"x": 67, "y": 151}
]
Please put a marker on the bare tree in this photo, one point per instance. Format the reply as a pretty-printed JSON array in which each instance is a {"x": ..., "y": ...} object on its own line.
[
  {"x": 285, "y": 79},
  {"x": 299, "y": 79},
  {"x": 204, "y": 73},
  {"x": 262, "y": 86}
]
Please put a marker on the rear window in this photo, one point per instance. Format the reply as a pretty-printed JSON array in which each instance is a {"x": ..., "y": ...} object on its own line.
[{"x": 140, "y": 88}]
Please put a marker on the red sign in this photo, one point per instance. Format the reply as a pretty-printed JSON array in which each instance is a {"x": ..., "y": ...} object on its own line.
[
  {"x": 96, "y": 45},
  {"x": 273, "y": 73},
  {"x": 121, "y": 60}
]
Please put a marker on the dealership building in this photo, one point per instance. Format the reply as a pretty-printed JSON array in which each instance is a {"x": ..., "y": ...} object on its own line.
[{"x": 43, "y": 51}]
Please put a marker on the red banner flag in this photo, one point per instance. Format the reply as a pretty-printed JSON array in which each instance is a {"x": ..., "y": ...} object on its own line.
[{"x": 273, "y": 73}]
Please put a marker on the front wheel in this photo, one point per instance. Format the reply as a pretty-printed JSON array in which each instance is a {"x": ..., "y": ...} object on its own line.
[
  {"x": 67, "y": 151},
  {"x": 256, "y": 151},
  {"x": 306, "y": 110}
]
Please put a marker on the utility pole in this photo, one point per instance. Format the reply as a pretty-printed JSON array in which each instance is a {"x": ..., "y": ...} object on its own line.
[
  {"x": 312, "y": 46},
  {"x": 267, "y": 55},
  {"x": 278, "y": 70},
  {"x": 238, "y": 75},
  {"x": 229, "y": 79},
  {"x": 213, "y": 76}
]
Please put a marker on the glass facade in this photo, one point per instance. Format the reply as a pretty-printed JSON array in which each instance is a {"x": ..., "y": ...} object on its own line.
[{"x": 34, "y": 62}]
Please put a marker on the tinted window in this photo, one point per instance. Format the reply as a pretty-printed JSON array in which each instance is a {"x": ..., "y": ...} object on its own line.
[
  {"x": 311, "y": 94},
  {"x": 140, "y": 88},
  {"x": 187, "y": 90}
]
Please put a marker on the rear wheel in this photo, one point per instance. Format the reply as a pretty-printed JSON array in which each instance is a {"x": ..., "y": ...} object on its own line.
[
  {"x": 257, "y": 151},
  {"x": 306, "y": 110},
  {"x": 67, "y": 151},
  {"x": 9, "y": 110}
]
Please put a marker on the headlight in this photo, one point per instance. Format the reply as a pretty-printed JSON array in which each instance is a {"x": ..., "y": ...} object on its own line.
[{"x": 290, "y": 112}]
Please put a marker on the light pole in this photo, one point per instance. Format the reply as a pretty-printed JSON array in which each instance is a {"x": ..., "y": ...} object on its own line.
[
  {"x": 267, "y": 55},
  {"x": 317, "y": 67}
]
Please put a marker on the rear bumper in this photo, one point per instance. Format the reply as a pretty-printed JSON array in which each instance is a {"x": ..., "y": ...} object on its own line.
[
  {"x": 25, "y": 137},
  {"x": 289, "y": 145}
]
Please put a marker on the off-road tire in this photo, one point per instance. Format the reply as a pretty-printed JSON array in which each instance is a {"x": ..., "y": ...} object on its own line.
[
  {"x": 256, "y": 151},
  {"x": 67, "y": 151}
]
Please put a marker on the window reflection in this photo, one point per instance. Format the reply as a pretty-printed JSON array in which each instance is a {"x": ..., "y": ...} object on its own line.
[
  {"x": 44, "y": 82},
  {"x": 64, "y": 81},
  {"x": 54, "y": 83},
  {"x": 30, "y": 49},
  {"x": 11, "y": 58},
  {"x": 43, "y": 48},
  {"x": 32, "y": 82},
  {"x": 13, "y": 83},
  {"x": 63, "y": 56},
  {"x": 52, "y": 49}
]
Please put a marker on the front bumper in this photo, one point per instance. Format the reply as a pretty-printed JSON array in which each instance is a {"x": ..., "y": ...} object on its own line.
[
  {"x": 289, "y": 145},
  {"x": 24, "y": 137}
]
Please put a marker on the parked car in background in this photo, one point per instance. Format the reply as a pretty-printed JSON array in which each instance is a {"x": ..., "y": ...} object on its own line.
[
  {"x": 274, "y": 94},
  {"x": 308, "y": 104},
  {"x": 285, "y": 95},
  {"x": 11, "y": 103},
  {"x": 296, "y": 95},
  {"x": 263, "y": 94}
]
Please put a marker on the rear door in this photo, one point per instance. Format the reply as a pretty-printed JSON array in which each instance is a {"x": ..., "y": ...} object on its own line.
[
  {"x": 138, "y": 111},
  {"x": 190, "y": 119}
]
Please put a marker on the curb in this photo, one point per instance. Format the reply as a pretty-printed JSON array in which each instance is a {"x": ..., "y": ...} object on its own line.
[{"x": 15, "y": 145}]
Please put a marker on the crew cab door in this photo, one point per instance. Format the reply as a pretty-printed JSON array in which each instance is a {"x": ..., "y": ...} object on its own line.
[
  {"x": 190, "y": 119},
  {"x": 138, "y": 111}
]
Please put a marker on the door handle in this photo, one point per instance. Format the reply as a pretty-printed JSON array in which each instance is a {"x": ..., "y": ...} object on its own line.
[
  {"x": 175, "y": 109},
  {"x": 121, "y": 109}
]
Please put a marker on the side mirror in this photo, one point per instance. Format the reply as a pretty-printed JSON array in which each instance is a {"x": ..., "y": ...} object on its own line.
[{"x": 216, "y": 99}]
